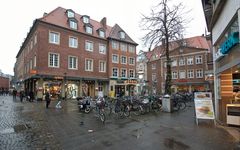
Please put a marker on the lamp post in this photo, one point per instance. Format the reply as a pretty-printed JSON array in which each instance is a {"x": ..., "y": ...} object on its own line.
[{"x": 65, "y": 86}]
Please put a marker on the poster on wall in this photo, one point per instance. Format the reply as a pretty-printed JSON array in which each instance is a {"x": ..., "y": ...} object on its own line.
[{"x": 203, "y": 105}]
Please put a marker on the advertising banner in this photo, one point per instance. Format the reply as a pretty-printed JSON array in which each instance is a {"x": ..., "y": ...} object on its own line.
[{"x": 203, "y": 105}]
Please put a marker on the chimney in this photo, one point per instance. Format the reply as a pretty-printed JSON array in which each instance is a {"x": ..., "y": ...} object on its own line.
[
  {"x": 45, "y": 14},
  {"x": 104, "y": 22}
]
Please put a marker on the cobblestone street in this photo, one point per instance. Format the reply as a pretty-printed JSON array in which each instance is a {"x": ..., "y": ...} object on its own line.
[{"x": 31, "y": 126}]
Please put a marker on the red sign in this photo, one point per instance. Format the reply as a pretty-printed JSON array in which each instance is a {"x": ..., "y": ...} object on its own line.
[{"x": 182, "y": 80}]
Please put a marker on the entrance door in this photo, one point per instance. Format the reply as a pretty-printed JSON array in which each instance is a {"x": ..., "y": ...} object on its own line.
[{"x": 119, "y": 90}]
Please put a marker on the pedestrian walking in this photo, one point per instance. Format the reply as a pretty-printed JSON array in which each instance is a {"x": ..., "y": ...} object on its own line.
[
  {"x": 59, "y": 101},
  {"x": 47, "y": 99},
  {"x": 31, "y": 96},
  {"x": 14, "y": 94},
  {"x": 21, "y": 95}
]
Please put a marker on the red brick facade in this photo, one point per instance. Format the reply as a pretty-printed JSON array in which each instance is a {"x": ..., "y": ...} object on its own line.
[
  {"x": 34, "y": 56},
  {"x": 4, "y": 82},
  {"x": 190, "y": 66}
]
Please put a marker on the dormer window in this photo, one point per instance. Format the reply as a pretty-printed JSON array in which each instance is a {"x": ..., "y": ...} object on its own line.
[
  {"x": 101, "y": 33},
  {"x": 89, "y": 29},
  {"x": 73, "y": 24},
  {"x": 85, "y": 19},
  {"x": 122, "y": 35},
  {"x": 70, "y": 14}
]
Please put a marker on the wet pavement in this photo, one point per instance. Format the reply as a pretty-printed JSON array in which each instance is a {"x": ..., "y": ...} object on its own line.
[{"x": 31, "y": 126}]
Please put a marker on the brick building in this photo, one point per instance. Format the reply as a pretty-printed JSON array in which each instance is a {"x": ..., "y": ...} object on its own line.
[
  {"x": 71, "y": 54},
  {"x": 191, "y": 66},
  {"x": 4, "y": 83}
]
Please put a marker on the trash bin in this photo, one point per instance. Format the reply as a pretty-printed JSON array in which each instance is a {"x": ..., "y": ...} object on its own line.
[{"x": 166, "y": 103}]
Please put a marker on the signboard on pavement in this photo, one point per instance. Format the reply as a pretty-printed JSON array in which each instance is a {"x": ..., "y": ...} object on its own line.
[{"x": 203, "y": 105}]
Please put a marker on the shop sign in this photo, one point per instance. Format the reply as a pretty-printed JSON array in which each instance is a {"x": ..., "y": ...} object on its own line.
[
  {"x": 182, "y": 80},
  {"x": 230, "y": 42},
  {"x": 218, "y": 54},
  {"x": 33, "y": 71},
  {"x": 58, "y": 77},
  {"x": 130, "y": 82},
  {"x": 120, "y": 81}
]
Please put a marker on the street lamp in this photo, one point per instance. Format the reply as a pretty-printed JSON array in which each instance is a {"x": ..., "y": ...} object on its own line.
[{"x": 65, "y": 86}]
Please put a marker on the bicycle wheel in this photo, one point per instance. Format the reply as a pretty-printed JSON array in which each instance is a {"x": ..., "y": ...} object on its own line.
[
  {"x": 181, "y": 105},
  {"x": 102, "y": 117},
  {"x": 127, "y": 111}
]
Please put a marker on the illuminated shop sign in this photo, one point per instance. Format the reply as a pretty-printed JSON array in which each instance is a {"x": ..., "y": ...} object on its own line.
[
  {"x": 218, "y": 55},
  {"x": 230, "y": 42}
]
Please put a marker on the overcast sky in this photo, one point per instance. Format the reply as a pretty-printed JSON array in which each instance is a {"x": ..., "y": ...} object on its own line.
[{"x": 18, "y": 15}]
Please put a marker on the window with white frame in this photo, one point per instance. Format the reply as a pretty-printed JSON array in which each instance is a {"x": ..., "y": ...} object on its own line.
[
  {"x": 73, "y": 42},
  {"x": 131, "y": 60},
  {"x": 85, "y": 19},
  {"x": 131, "y": 73},
  {"x": 35, "y": 39},
  {"x": 88, "y": 64},
  {"x": 115, "y": 58},
  {"x": 123, "y": 73},
  {"x": 198, "y": 59},
  {"x": 102, "y": 66},
  {"x": 154, "y": 77},
  {"x": 72, "y": 62},
  {"x": 89, "y": 29},
  {"x": 31, "y": 44},
  {"x": 174, "y": 62},
  {"x": 122, "y": 35},
  {"x": 165, "y": 64},
  {"x": 123, "y": 60},
  {"x": 190, "y": 73},
  {"x": 54, "y": 37},
  {"x": 131, "y": 48},
  {"x": 102, "y": 48},
  {"x": 53, "y": 60},
  {"x": 70, "y": 14},
  {"x": 31, "y": 64},
  {"x": 182, "y": 74},
  {"x": 174, "y": 74},
  {"x": 181, "y": 61},
  {"x": 199, "y": 73},
  {"x": 190, "y": 61},
  {"x": 73, "y": 24},
  {"x": 154, "y": 66},
  {"x": 115, "y": 72},
  {"x": 123, "y": 47},
  {"x": 115, "y": 45},
  {"x": 35, "y": 61},
  {"x": 101, "y": 33},
  {"x": 89, "y": 46}
]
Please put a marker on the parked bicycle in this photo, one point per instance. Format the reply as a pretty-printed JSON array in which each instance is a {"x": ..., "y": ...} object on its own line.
[
  {"x": 99, "y": 105},
  {"x": 178, "y": 102},
  {"x": 119, "y": 106}
]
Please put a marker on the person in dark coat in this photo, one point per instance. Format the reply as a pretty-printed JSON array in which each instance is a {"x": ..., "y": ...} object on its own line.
[
  {"x": 14, "y": 94},
  {"x": 21, "y": 95},
  {"x": 47, "y": 99},
  {"x": 31, "y": 95}
]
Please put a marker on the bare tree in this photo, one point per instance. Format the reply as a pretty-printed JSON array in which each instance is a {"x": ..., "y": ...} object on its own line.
[{"x": 165, "y": 24}]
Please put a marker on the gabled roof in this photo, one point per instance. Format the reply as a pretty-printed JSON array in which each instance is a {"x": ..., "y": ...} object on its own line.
[
  {"x": 114, "y": 34},
  {"x": 58, "y": 17},
  {"x": 197, "y": 42}
]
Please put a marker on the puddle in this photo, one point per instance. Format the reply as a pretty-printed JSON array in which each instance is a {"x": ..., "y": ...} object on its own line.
[
  {"x": 173, "y": 144},
  {"x": 7, "y": 131},
  {"x": 107, "y": 143}
]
